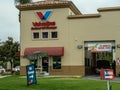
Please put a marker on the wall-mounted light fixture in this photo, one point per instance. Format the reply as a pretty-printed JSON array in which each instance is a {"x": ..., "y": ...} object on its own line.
[
  {"x": 118, "y": 45},
  {"x": 79, "y": 46}
]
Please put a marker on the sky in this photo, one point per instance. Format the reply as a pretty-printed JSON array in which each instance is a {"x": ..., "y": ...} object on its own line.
[{"x": 9, "y": 22}]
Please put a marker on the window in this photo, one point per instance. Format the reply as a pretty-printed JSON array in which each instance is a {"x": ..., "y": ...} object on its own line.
[
  {"x": 54, "y": 35},
  {"x": 56, "y": 62},
  {"x": 44, "y": 34},
  {"x": 36, "y": 35}
]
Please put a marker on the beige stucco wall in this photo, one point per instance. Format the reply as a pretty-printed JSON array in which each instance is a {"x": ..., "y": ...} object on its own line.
[
  {"x": 71, "y": 32},
  {"x": 106, "y": 27},
  {"x": 60, "y": 17}
]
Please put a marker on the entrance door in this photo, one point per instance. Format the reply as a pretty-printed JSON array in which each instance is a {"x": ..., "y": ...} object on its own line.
[{"x": 45, "y": 64}]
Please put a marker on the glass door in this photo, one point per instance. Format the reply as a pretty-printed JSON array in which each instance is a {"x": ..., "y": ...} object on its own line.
[{"x": 45, "y": 64}]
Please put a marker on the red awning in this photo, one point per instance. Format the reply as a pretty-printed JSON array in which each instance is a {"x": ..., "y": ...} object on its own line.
[{"x": 52, "y": 51}]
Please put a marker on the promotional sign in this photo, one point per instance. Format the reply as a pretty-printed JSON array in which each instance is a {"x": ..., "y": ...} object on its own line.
[
  {"x": 108, "y": 74},
  {"x": 98, "y": 47},
  {"x": 31, "y": 74}
]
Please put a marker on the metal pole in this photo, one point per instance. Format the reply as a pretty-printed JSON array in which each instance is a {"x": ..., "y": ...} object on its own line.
[{"x": 108, "y": 85}]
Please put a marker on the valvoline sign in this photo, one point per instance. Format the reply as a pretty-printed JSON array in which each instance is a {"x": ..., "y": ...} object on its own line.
[
  {"x": 44, "y": 16},
  {"x": 31, "y": 74},
  {"x": 44, "y": 23}
]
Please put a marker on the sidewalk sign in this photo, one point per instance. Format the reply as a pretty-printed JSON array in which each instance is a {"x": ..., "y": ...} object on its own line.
[
  {"x": 107, "y": 74},
  {"x": 31, "y": 74}
]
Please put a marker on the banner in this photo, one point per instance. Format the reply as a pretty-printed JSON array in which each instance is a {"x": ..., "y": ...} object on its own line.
[
  {"x": 31, "y": 74},
  {"x": 100, "y": 47},
  {"x": 108, "y": 74}
]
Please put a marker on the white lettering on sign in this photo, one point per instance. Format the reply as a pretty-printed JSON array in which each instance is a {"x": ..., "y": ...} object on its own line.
[
  {"x": 31, "y": 76},
  {"x": 104, "y": 47},
  {"x": 30, "y": 72},
  {"x": 108, "y": 73},
  {"x": 30, "y": 68},
  {"x": 108, "y": 77}
]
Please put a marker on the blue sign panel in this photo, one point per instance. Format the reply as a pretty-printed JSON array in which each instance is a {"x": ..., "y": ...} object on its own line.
[{"x": 31, "y": 74}]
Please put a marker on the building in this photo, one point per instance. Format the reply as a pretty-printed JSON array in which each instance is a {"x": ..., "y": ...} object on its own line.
[{"x": 70, "y": 42}]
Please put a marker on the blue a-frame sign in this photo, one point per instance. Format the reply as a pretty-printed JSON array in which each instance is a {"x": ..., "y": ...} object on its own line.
[{"x": 31, "y": 74}]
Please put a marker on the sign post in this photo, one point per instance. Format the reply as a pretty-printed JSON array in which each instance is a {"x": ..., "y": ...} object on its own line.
[
  {"x": 107, "y": 74},
  {"x": 108, "y": 85},
  {"x": 31, "y": 74}
]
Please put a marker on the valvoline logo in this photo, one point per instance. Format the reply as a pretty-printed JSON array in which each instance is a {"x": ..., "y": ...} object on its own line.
[{"x": 44, "y": 16}]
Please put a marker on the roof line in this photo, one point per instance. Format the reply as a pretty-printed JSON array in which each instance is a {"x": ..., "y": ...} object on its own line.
[
  {"x": 94, "y": 15},
  {"x": 84, "y": 16},
  {"x": 48, "y": 5},
  {"x": 109, "y": 9}
]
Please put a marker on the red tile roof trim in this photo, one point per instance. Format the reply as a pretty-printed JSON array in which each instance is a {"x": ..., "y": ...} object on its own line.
[{"x": 48, "y": 5}]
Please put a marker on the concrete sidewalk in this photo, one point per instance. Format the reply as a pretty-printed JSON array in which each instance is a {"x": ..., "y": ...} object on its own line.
[
  {"x": 95, "y": 77},
  {"x": 90, "y": 77},
  {"x": 1, "y": 76}
]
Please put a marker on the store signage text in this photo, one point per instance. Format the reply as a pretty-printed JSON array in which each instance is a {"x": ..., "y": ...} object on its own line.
[
  {"x": 104, "y": 47},
  {"x": 43, "y": 25},
  {"x": 98, "y": 47}
]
